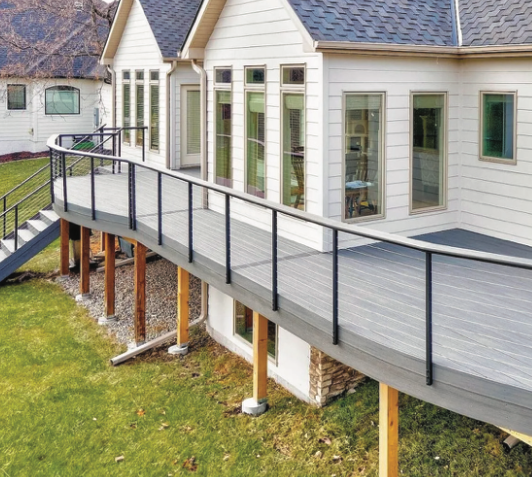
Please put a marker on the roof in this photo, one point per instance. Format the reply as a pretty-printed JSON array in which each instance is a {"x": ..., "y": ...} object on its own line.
[
  {"x": 170, "y": 22},
  {"x": 39, "y": 39}
]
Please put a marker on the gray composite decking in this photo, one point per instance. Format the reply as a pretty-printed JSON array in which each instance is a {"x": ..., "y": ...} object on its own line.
[{"x": 482, "y": 313}]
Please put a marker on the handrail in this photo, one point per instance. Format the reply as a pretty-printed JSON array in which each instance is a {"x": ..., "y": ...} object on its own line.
[
  {"x": 410, "y": 243},
  {"x": 7, "y": 194},
  {"x": 31, "y": 194}
]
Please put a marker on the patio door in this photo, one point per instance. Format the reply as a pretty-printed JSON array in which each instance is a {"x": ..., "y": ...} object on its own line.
[{"x": 190, "y": 126}]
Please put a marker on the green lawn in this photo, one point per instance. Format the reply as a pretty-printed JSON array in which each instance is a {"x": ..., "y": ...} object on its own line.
[
  {"x": 13, "y": 173},
  {"x": 66, "y": 412}
]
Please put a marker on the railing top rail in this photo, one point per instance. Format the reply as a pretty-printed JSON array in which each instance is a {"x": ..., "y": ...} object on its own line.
[
  {"x": 316, "y": 219},
  {"x": 31, "y": 194},
  {"x": 25, "y": 181}
]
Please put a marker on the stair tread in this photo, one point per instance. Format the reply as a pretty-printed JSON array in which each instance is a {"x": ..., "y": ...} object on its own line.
[
  {"x": 3, "y": 255},
  {"x": 50, "y": 215},
  {"x": 9, "y": 244},
  {"x": 38, "y": 224},
  {"x": 26, "y": 234}
]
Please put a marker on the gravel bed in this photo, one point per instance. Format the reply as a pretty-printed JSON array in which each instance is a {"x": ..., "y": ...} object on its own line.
[{"x": 161, "y": 298}]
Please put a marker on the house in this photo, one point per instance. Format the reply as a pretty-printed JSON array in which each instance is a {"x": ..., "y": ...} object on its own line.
[
  {"x": 367, "y": 202},
  {"x": 50, "y": 80},
  {"x": 154, "y": 88}
]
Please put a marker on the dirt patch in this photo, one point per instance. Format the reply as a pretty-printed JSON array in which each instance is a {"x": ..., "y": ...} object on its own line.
[{"x": 19, "y": 156}]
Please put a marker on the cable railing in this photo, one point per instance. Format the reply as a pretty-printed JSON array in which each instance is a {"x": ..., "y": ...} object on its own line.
[{"x": 168, "y": 205}]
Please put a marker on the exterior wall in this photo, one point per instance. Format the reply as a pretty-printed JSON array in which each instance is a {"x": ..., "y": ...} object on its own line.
[
  {"x": 497, "y": 198},
  {"x": 184, "y": 75},
  {"x": 291, "y": 369},
  {"x": 28, "y": 130},
  {"x": 262, "y": 33},
  {"x": 397, "y": 77},
  {"x": 138, "y": 50},
  {"x": 106, "y": 104}
]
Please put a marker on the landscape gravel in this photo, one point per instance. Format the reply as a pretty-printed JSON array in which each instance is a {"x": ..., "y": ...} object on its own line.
[{"x": 161, "y": 298}]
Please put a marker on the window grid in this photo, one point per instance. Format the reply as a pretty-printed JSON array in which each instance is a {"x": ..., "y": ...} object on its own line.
[{"x": 223, "y": 123}]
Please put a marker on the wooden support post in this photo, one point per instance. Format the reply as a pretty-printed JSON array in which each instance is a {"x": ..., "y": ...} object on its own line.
[
  {"x": 388, "y": 431},
  {"x": 102, "y": 242},
  {"x": 140, "y": 293},
  {"x": 109, "y": 243},
  {"x": 84, "y": 282},
  {"x": 183, "y": 294},
  {"x": 64, "y": 262},
  {"x": 260, "y": 357}
]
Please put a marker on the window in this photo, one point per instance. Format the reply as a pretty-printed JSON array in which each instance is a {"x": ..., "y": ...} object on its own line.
[
  {"x": 364, "y": 156},
  {"x": 498, "y": 127},
  {"x": 190, "y": 126},
  {"x": 428, "y": 168},
  {"x": 223, "y": 76},
  {"x": 293, "y": 135},
  {"x": 224, "y": 121},
  {"x": 62, "y": 100},
  {"x": 16, "y": 97},
  {"x": 255, "y": 132},
  {"x": 126, "y": 105},
  {"x": 244, "y": 328},
  {"x": 154, "y": 110},
  {"x": 139, "y": 111}
]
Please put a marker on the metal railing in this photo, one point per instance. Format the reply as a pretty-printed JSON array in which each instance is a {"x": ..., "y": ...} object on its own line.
[{"x": 172, "y": 179}]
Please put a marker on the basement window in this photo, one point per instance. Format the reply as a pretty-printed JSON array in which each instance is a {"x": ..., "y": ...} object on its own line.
[
  {"x": 16, "y": 97},
  {"x": 244, "y": 328}
]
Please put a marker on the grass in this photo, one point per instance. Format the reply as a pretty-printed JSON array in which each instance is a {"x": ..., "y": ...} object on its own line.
[
  {"x": 66, "y": 412},
  {"x": 13, "y": 173}
]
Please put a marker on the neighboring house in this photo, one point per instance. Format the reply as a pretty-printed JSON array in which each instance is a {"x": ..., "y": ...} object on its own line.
[
  {"x": 410, "y": 117},
  {"x": 50, "y": 79},
  {"x": 154, "y": 88}
]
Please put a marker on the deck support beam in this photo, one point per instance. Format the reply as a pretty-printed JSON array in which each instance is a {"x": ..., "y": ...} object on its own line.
[
  {"x": 258, "y": 404},
  {"x": 84, "y": 266},
  {"x": 108, "y": 244},
  {"x": 140, "y": 294},
  {"x": 183, "y": 312},
  {"x": 388, "y": 431},
  {"x": 64, "y": 258}
]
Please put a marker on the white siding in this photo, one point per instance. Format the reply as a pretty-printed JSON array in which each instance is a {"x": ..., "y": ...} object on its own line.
[
  {"x": 262, "y": 33},
  {"x": 29, "y": 130},
  {"x": 497, "y": 198},
  {"x": 105, "y": 93},
  {"x": 291, "y": 367},
  {"x": 138, "y": 50},
  {"x": 397, "y": 78}
]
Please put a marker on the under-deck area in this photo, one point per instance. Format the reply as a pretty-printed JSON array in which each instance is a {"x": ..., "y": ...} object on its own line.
[{"x": 481, "y": 312}]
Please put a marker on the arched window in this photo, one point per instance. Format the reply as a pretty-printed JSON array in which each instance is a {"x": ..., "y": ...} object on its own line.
[{"x": 62, "y": 100}]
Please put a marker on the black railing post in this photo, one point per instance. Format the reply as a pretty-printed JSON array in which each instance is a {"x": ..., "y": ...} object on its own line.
[
  {"x": 119, "y": 143},
  {"x": 52, "y": 176},
  {"x": 190, "y": 222},
  {"x": 227, "y": 239},
  {"x": 93, "y": 192},
  {"x": 143, "y": 145},
  {"x": 428, "y": 309},
  {"x": 5, "y": 218},
  {"x": 114, "y": 147},
  {"x": 335, "y": 287},
  {"x": 16, "y": 228},
  {"x": 275, "y": 293},
  {"x": 160, "y": 208},
  {"x": 63, "y": 166},
  {"x": 132, "y": 198}
]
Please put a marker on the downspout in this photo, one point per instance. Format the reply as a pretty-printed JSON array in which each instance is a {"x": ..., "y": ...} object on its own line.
[
  {"x": 203, "y": 88},
  {"x": 169, "y": 114},
  {"x": 113, "y": 95}
]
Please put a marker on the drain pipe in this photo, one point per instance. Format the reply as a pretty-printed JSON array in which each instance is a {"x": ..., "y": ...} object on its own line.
[
  {"x": 203, "y": 95},
  {"x": 169, "y": 110},
  {"x": 131, "y": 353},
  {"x": 510, "y": 442},
  {"x": 113, "y": 95}
]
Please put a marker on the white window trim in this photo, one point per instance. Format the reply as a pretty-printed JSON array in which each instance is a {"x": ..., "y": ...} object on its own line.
[
  {"x": 293, "y": 89},
  {"x": 156, "y": 83},
  {"x": 141, "y": 82},
  {"x": 222, "y": 87},
  {"x": 184, "y": 123},
  {"x": 260, "y": 88},
  {"x": 382, "y": 177},
  {"x": 498, "y": 160},
  {"x": 23, "y": 110},
  {"x": 72, "y": 88},
  {"x": 124, "y": 82},
  {"x": 445, "y": 182}
]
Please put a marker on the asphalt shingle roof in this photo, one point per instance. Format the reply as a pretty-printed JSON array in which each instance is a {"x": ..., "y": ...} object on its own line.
[{"x": 170, "y": 22}]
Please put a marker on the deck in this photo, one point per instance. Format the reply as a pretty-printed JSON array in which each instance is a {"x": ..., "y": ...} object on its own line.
[{"x": 482, "y": 313}]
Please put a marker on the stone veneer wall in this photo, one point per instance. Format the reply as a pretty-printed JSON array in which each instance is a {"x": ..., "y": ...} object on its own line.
[{"x": 330, "y": 378}]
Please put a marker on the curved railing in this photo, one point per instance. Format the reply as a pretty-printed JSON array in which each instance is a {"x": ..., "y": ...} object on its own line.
[{"x": 151, "y": 178}]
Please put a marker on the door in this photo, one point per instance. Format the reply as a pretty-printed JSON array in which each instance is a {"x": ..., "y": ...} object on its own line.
[{"x": 190, "y": 126}]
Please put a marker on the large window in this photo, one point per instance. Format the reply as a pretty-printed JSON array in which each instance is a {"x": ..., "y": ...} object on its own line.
[
  {"x": 224, "y": 121},
  {"x": 498, "y": 113},
  {"x": 428, "y": 180},
  {"x": 154, "y": 110},
  {"x": 293, "y": 135},
  {"x": 244, "y": 328},
  {"x": 364, "y": 153},
  {"x": 16, "y": 97},
  {"x": 255, "y": 132},
  {"x": 139, "y": 110},
  {"x": 62, "y": 100},
  {"x": 126, "y": 105}
]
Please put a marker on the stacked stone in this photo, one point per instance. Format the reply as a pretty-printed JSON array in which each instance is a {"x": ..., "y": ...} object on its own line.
[{"x": 330, "y": 378}]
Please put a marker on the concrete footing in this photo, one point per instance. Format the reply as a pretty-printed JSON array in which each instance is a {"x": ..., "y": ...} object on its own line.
[
  {"x": 104, "y": 320},
  {"x": 254, "y": 408},
  {"x": 180, "y": 350},
  {"x": 81, "y": 298}
]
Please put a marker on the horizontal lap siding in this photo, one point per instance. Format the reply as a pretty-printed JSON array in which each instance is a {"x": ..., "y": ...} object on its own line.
[
  {"x": 138, "y": 50},
  {"x": 261, "y": 32},
  {"x": 397, "y": 77},
  {"x": 497, "y": 198}
]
